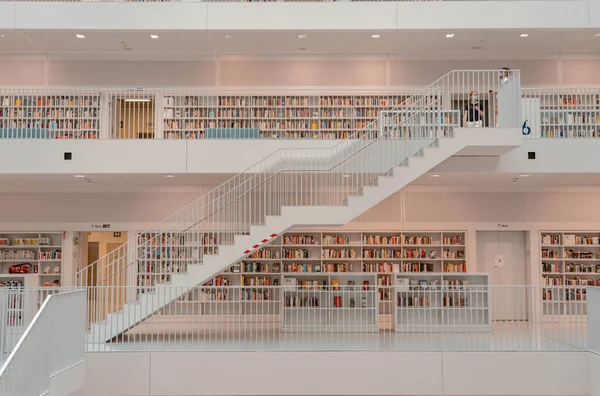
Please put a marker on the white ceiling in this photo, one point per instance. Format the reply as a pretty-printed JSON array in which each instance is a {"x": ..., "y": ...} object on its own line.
[
  {"x": 470, "y": 43},
  {"x": 199, "y": 183},
  {"x": 498, "y": 181},
  {"x": 126, "y": 183}
]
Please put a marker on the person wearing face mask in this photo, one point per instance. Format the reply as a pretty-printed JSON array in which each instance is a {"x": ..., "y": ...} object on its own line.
[
  {"x": 501, "y": 100},
  {"x": 474, "y": 114}
]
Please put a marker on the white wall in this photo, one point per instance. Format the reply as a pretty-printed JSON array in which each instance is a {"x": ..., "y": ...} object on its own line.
[
  {"x": 286, "y": 72},
  {"x": 323, "y": 16},
  {"x": 335, "y": 373},
  {"x": 411, "y": 209},
  {"x": 555, "y": 156}
]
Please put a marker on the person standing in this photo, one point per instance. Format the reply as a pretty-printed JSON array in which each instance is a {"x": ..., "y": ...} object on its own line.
[
  {"x": 473, "y": 115},
  {"x": 504, "y": 106}
]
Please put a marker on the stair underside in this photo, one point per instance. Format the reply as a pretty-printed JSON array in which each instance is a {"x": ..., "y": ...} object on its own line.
[{"x": 475, "y": 141}]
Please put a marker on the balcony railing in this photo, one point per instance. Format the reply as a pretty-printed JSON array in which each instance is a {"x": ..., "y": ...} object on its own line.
[
  {"x": 49, "y": 336},
  {"x": 86, "y": 113},
  {"x": 227, "y": 1},
  {"x": 307, "y": 316}
]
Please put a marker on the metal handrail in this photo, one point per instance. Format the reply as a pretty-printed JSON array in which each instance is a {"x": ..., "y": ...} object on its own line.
[{"x": 307, "y": 161}]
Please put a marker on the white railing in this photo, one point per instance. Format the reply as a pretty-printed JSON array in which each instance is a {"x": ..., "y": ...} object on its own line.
[
  {"x": 18, "y": 307},
  {"x": 229, "y": 1},
  {"x": 593, "y": 312},
  {"x": 195, "y": 113},
  {"x": 53, "y": 342},
  {"x": 312, "y": 177},
  {"x": 311, "y": 316},
  {"x": 562, "y": 113}
]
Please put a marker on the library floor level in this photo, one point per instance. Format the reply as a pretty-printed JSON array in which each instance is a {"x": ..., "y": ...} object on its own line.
[{"x": 504, "y": 335}]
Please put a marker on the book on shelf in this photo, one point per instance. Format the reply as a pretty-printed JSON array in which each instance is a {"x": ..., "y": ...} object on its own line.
[
  {"x": 298, "y": 301},
  {"x": 550, "y": 254},
  {"x": 381, "y": 267},
  {"x": 339, "y": 253},
  {"x": 304, "y": 267},
  {"x": 453, "y": 240},
  {"x": 335, "y": 284},
  {"x": 585, "y": 255},
  {"x": 418, "y": 240},
  {"x": 256, "y": 267},
  {"x": 550, "y": 267},
  {"x": 337, "y": 302},
  {"x": 382, "y": 240},
  {"x": 580, "y": 268},
  {"x": 336, "y": 240},
  {"x": 256, "y": 281},
  {"x": 548, "y": 239},
  {"x": 415, "y": 253},
  {"x": 218, "y": 281},
  {"x": 265, "y": 254},
  {"x": 299, "y": 240},
  {"x": 414, "y": 301},
  {"x": 552, "y": 281},
  {"x": 382, "y": 253},
  {"x": 456, "y": 284},
  {"x": 455, "y": 267},
  {"x": 336, "y": 267},
  {"x": 256, "y": 295},
  {"x": 296, "y": 253},
  {"x": 451, "y": 254},
  {"x": 455, "y": 302},
  {"x": 417, "y": 267},
  {"x": 214, "y": 295}
]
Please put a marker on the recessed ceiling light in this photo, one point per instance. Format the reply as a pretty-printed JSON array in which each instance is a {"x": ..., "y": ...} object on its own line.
[
  {"x": 154, "y": 36},
  {"x": 524, "y": 176},
  {"x": 169, "y": 176},
  {"x": 375, "y": 36},
  {"x": 4, "y": 35},
  {"x": 525, "y": 35},
  {"x": 302, "y": 36},
  {"x": 434, "y": 175},
  {"x": 450, "y": 35},
  {"x": 597, "y": 35},
  {"x": 346, "y": 176},
  {"x": 80, "y": 36},
  {"x": 228, "y": 36},
  {"x": 79, "y": 176}
]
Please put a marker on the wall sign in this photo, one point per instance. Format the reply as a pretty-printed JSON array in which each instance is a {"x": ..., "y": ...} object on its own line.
[
  {"x": 499, "y": 260},
  {"x": 101, "y": 226}
]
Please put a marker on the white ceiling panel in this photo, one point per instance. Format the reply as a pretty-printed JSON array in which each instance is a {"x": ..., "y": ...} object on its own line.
[{"x": 424, "y": 44}]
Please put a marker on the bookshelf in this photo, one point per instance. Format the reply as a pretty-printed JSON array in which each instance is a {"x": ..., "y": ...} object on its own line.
[
  {"x": 50, "y": 116},
  {"x": 570, "y": 115},
  {"x": 161, "y": 254},
  {"x": 306, "y": 265},
  {"x": 442, "y": 302},
  {"x": 279, "y": 116},
  {"x": 570, "y": 259},
  {"x": 39, "y": 253}
]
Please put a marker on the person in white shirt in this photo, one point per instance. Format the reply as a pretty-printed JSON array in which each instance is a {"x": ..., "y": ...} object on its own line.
[{"x": 503, "y": 106}]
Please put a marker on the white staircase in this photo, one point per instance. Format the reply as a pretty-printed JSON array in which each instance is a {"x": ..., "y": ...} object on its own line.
[{"x": 290, "y": 188}]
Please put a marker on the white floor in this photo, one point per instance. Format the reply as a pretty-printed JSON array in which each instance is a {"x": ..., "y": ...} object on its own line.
[{"x": 504, "y": 336}]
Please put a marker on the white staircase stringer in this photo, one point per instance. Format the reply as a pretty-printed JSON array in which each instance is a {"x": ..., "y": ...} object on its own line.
[{"x": 427, "y": 158}]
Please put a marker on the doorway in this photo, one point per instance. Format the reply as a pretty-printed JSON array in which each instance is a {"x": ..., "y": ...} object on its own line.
[
  {"x": 96, "y": 245},
  {"x": 510, "y": 294},
  {"x": 132, "y": 118}
]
